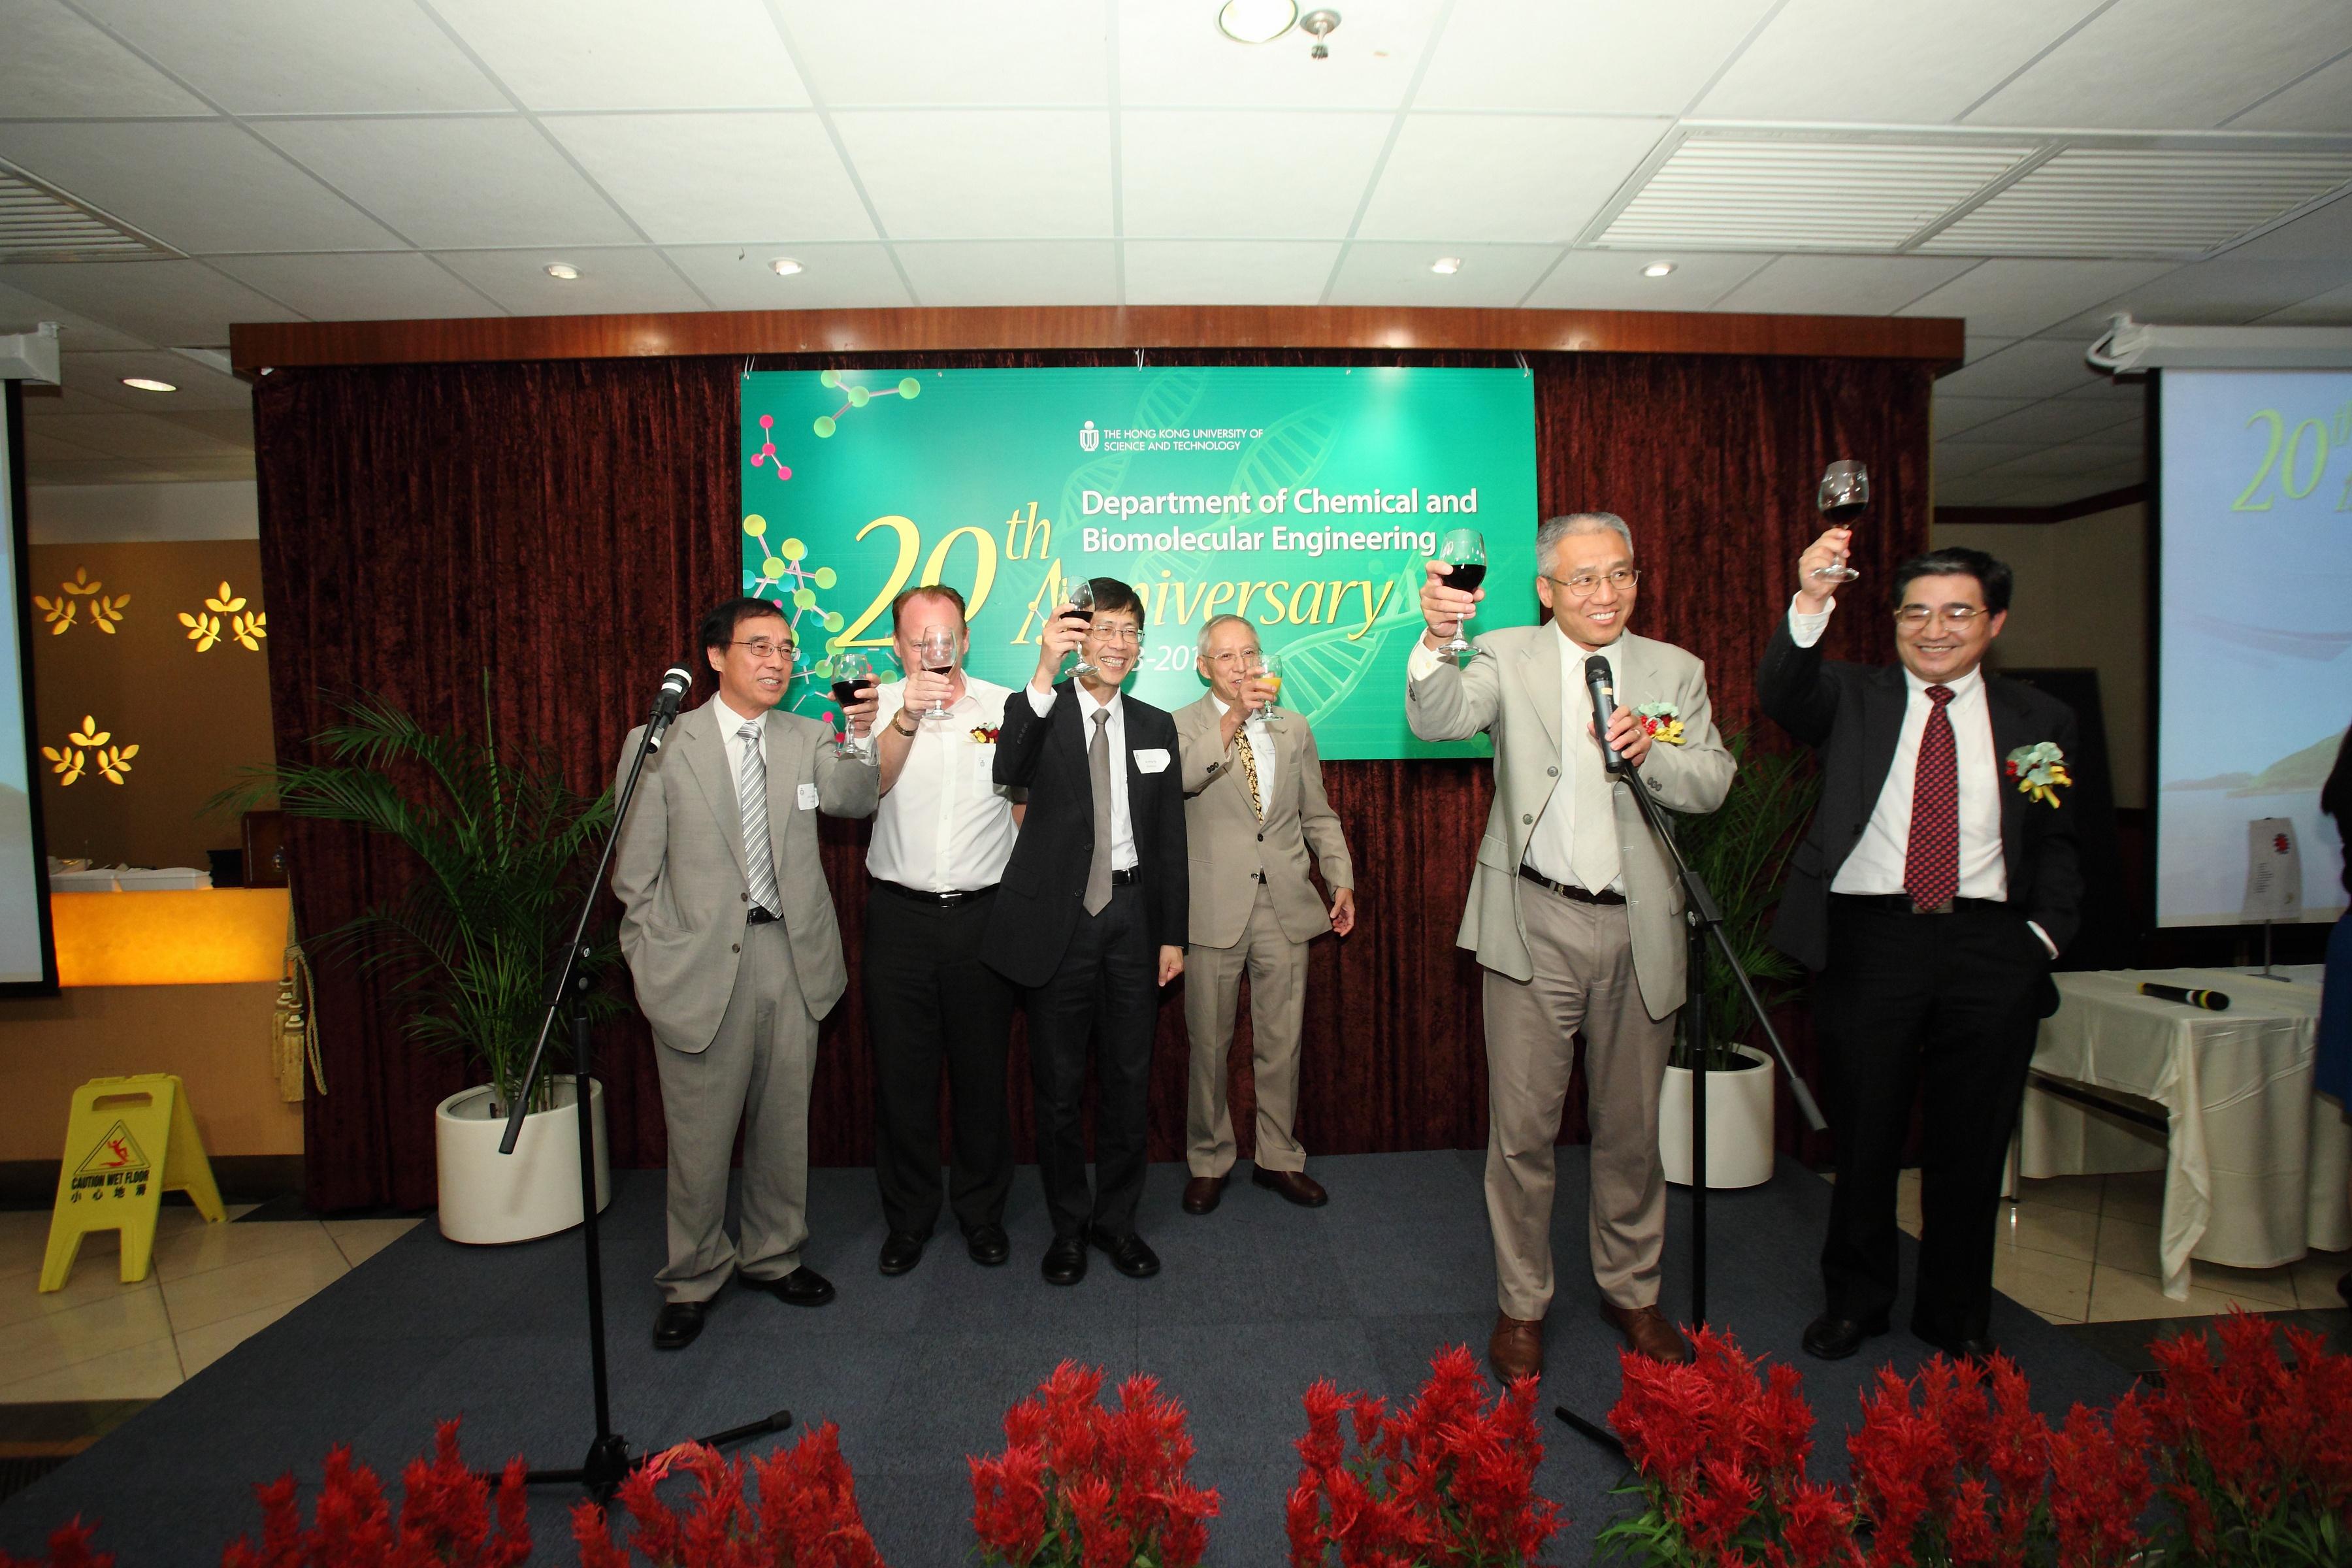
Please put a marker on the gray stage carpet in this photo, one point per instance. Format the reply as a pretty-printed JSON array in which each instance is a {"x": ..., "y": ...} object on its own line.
[{"x": 1255, "y": 1302}]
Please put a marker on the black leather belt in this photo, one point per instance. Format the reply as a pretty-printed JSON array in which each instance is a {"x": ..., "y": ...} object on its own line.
[
  {"x": 1901, "y": 904},
  {"x": 760, "y": 917},
  {"x": 923, "y": 895},
  {"x": 1127, "y": 879},
  {"x": 1580, "y": 895}
]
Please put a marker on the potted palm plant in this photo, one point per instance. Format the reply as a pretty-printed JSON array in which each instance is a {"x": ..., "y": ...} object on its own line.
[
  {"x": 1742, "y": 850},
  {"x": 506, "y": 847}
]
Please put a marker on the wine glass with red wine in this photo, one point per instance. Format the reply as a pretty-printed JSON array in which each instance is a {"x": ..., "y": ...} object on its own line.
[
  {"x": 1465, "y": 549},
  {"x": 1081, "y": 603},
  {"x": 1843, "y": 496},
  {"x": 937, "y": 650},
  {"x": 852, "y": 673}
]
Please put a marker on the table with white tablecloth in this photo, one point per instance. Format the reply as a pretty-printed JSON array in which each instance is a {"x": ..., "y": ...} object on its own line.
[{"x": 2254, "y": 1162}]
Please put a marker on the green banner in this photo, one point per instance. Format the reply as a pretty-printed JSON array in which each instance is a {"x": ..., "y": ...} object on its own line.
[{"x": 1304, "y": 499}]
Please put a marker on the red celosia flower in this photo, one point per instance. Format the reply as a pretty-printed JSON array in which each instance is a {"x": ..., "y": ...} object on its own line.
[
  {"x": 806, "y": 1515},
  {"x": 69, "y": 1548}
]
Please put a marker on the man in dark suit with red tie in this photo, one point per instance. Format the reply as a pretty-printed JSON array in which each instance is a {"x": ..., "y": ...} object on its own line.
[{"x": 1936, "y": 885}]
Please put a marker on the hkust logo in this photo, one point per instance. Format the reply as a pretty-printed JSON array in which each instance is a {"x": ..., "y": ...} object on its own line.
[{"x": 1088, "y": 437}]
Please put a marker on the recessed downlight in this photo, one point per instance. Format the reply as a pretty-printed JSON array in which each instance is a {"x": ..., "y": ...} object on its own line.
[
  {"x": 1256, "y": 21},
  {"x": 1446, "y": 266},
  {"x": 1657, "y": 268},
  {"x": 563, "y": 270},
  {"x": 783, "y": 267},
  {"x": 148, "y": 384}
]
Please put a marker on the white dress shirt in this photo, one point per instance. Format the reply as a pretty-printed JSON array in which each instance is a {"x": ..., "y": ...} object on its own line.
[
  {"x": 731, "y": 725},
  {"x": 1260, "y": 741},
  {"x": 1122, "y": 823},
  {"x": 945, "y": 826}
]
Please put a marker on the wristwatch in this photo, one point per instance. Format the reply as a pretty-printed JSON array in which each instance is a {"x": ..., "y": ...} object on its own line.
[{"x": 901, "y": 727}]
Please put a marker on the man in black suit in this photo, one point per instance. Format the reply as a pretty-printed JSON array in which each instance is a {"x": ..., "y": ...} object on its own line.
[
  {"x": 1936, "y": 885},
  {"x": 1090, "y": 917}
]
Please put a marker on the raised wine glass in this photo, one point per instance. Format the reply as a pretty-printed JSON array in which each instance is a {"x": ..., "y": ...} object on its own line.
[
  {"x": 1844, "y": 492},
  {"x": 852, "y": 672},
  {"x": 1081, "y": 601},
  {"x": 1269, "y": 669},
  {"x": 1465, "y": 549},
  {"x": 936, "y": 651}
]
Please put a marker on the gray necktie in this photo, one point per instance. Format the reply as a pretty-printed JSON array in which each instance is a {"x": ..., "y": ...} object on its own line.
[
  {"x": 1099, "y": 764},
  {"x": 751, "y": 799},
  {"x": 1595, "y": 861}
]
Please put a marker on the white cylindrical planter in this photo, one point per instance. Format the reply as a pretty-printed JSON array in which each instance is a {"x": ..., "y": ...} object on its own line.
[
  {"x": 1738, "y": 1124},
  {"x": 487, "y": 1197}
]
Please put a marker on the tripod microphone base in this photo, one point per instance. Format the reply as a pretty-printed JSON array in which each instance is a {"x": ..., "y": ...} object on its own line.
[
  {"x": 1600, "y": 1434},
  {"x": 609, "y": 1462}
]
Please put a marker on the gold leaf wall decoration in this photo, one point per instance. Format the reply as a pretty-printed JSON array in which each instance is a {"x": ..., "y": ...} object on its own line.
[
  {"x": 75, "y": 758},
  {"x": 62, "y": 613},
  {"x": 203, "y": 630},
  {"x": 204, "y": 626}
]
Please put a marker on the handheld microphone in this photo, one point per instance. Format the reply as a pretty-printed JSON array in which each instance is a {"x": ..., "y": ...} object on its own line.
[
  {"x": 1597, "y": 680},
  {"x": 2212, "y": 1001},
  {"x": 674, "y": 681}
]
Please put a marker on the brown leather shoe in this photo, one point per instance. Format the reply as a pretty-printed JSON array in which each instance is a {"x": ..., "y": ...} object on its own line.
[
  {"x": 1515, "y": 1350},
  {"x": 1296, "y": 1186},
  {"x": 1201, "y": 1193},
  {"x": 1647, "y": 1331}
]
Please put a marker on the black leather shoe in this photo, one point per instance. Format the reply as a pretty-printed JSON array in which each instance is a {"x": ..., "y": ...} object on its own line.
[
  {"x": 678, "y": 1324},
  {"x": 901, "y": 1250},
  {"x": 1065, "y": 1261},
  {"x": 988, "y": 1245},
  {"x": 803, "y": 1287},
  {"x": 1829, "y": 1338},
  {"x": 1969, "y": 1347},
  {"x": 1127, "y": 1253}
]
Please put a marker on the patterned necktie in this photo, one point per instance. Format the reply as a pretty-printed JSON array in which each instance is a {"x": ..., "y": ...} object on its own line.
[
  {"x": 1099, "y": 764},
  {"x": 751, "y": 800},
  {"x": 1249, "y": 773},
  {"x": 1931, "y": 865}
]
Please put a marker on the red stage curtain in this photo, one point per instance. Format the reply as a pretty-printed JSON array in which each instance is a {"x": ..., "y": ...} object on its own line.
[{"x": 561, "y": 524}]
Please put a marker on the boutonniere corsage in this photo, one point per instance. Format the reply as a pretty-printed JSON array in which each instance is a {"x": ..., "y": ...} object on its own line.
[
  {"x": 1664, "y": 721},
  {"x": 984, "y": 734},
  {"x": 2039, "y": 769}
]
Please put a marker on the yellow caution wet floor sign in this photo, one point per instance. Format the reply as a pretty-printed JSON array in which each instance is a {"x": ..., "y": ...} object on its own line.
[{"x": 128, "y": 1141}]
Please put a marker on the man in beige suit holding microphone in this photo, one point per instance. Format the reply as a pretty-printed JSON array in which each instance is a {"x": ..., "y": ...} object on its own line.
[
  {"x": 1574, "y": 911},
  {"x": 1253, "y": 805},
  {"x": 729, "y": 935}
]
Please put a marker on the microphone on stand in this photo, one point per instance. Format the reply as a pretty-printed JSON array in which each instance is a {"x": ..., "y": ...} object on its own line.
[
  {"x": 674, "y": 681},
  {"x": 1603, "y": 688}
]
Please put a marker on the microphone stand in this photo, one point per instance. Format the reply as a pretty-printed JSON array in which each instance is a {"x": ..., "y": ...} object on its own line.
[
  {"x": 609, "y": 1460},
  {"x": 1706, "y": 919}
]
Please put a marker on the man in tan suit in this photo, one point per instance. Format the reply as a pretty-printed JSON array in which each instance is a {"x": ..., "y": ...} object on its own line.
[
  {"x": 1574, "y": 913},
  {"x": 1254, "y": 804},
  {"x": 729, "y": 935}
]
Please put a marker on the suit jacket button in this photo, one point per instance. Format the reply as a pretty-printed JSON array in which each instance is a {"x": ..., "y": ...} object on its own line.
[
  {"x": 737, "y": 948},
  {"x": 1261, "y": 838},
  {"x": 1552, "y": 772},
  {"x": 1527, "y": 819},
  {"x": 745, "y": 897}
]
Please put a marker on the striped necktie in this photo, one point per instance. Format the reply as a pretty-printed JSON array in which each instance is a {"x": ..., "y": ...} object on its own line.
[{"x": 751, "y": 800}]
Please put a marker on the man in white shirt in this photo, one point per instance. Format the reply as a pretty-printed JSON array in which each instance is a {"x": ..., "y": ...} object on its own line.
[
  {"x": 1938, "y": 883},
  {"x": 941, "y": 835},
  {"x": 1574, "y": 913}
]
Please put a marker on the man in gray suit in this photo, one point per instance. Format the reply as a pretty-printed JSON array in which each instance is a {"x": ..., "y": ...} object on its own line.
[
  {"x": 1574, "y": 913},
  {"x": 1254, "y": 802},
  {"x": 728, "y": 931}
]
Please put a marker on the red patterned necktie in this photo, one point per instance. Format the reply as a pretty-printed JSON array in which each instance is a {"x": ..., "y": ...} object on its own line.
[{"x": 1931, "y": 868}]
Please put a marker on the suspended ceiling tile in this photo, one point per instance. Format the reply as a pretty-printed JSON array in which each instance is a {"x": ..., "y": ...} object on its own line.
[
  {"x": 1013, "y": 271},
  {"x": 200, "y": 387},
  {"x": 105, "y": 471},
  {"x": 41, "y": 447},
  {"x": 942, "y": 52},
  {"x": 2225, "y": 292},
  {"x": 21, "y": 312},
  {"x": 983, "y": 175},
  {"x": 611, "y": 281},
  {"x": 144, "y": 435},
  {"x": 838, "y": 277},
  {"x": 628, "y": 54},
  {"x": 1954, "y": 460},
  {"x": 2333, "y": 308},
  {"x": 1228, "y": 272},
  {"x": 1976, "y": 347},
  {"x": 265, "y": 56},
  {"x": 454, "y": 184},
  {"x": 232, "y": 426},
  {"x": 710, "y": 178},
  {"x": 1245, "y": 175},
  {"x": 1174, "y": 55},
  {"x": 1859, "y": 61},
  {"x": 1951, "y": 416},
  {"x": 2013, "y": 297},
  {"x": 201, "y": 187},
  {"x": 2321, "y": 235},
  {"x": 2035, "y": 367},
  {"x": 2056, "y": 462},
  {"x": 1613, "y": 281},
  {"x": 2053, "y": 420},
  {"x": 56, "y": 65},
  {"x": 2171, "y": 64},
  {"x": 67, "y": 400},
  {"x": 1840, "y": 285},
  {"x": 395, "y": 285},
  {"x": 1395, "y": 273},
  {"x": 185, "y": 303},
  {"x": 2142, "y": 202},
  {"x": 2320, "y": 101},
  {"x": 1504, "y": 178},
  {"x": 1590, "y": 59}
]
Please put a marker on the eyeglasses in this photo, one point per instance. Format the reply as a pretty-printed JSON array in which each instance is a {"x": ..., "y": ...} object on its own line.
[
  {"x": 1584, "y": 584},
  {"x": 762, "y": 646},
  {"x": 1249, "y": 656},
  {"x": 1119, "y": 634},
  {"x": 1917, "y": 615}
]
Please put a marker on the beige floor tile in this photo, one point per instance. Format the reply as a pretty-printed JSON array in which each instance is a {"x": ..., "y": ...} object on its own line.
[
  {"x": 96, "y": 1277},
  {"x": 144, "y": 1372},
  {"x": 2117, "y": 1295},
  {"x": 2034, "y": 1226},
  {"x": 2273, "y": 1288},
  {"x": 282, "y": 1276},
  {"x": 53, "y": 1340},
  {"x": 2130, "y": 1245},
  {"x": 2064, "y": 1191},
  {"x": 2135, "y": 1195},
  {"x": 2057, "y": 1288},
  {"x": 362, "y": 1239},
  {"x": 195, "y": 1249},
  {"x": 2316, "y": 1278},
  {"x": 199, "y": 1347}
]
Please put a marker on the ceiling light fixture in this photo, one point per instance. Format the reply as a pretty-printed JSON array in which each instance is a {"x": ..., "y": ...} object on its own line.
[
  {"x": 148, "y": 384},
  {"x": 1321, "y": 23},
  {"x": 783, "y": 267},
  {"x": 1447, "y": 264},
  {"x": 563, "y": 269},
  {"x": 1657, "y": 268},
  {"x": 1256, "y": 21}
]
